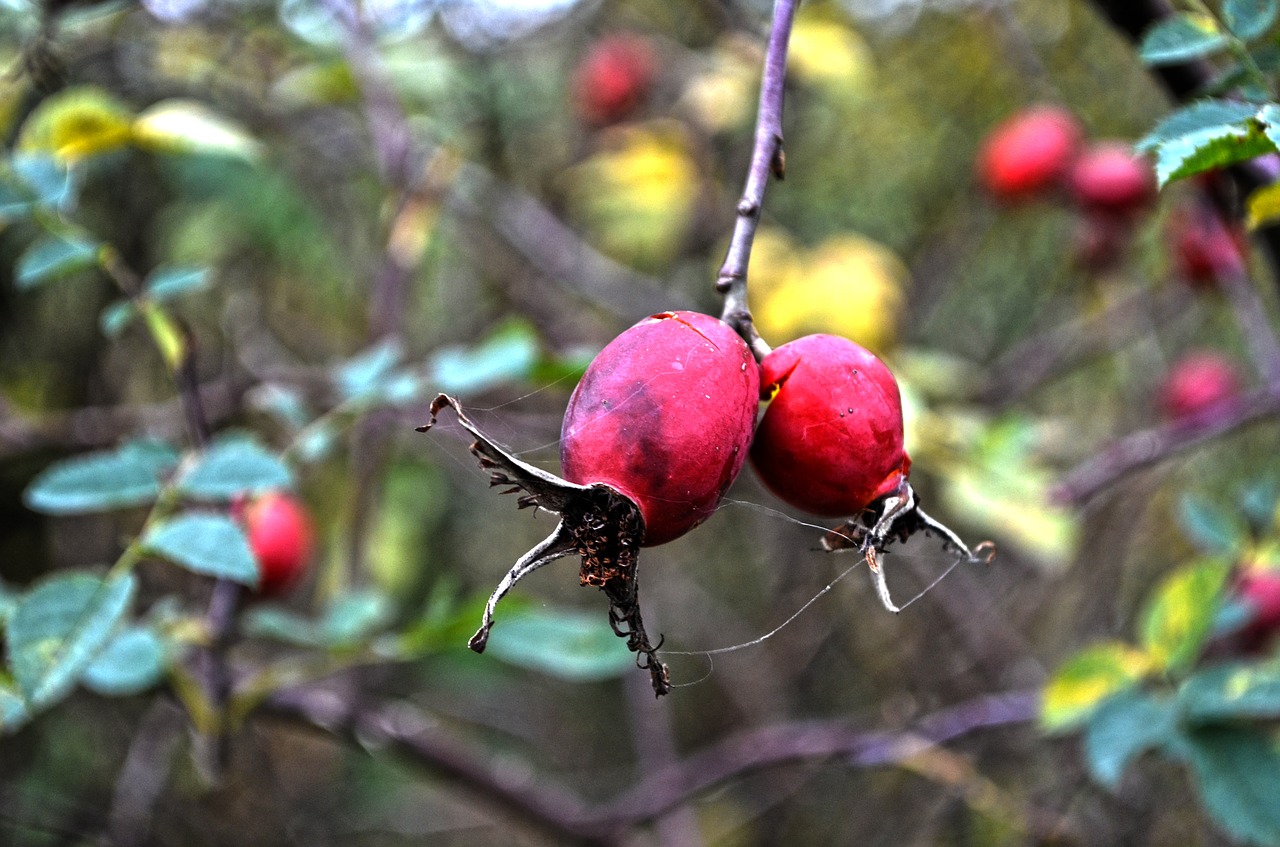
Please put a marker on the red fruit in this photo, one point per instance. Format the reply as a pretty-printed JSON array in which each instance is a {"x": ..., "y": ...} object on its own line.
[
  {"x": 1205, "y": 248},
  {"x": 831, "y": 440},
  {"x": 1108, "y": 177},
  {"x": 613, "y": 79},
  {"x": 1028, "y": 153},
  {"x": 281, "y": 536},
  {"x": 1260, "y": 589},
  {"x": 664, "y": 416},
  {"x": 1199, "y": 385}
]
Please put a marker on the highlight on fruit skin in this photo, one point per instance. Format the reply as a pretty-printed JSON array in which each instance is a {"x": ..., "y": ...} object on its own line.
[
  {"x": 656, "y": 431},
  {"x": 831, "y": 443}
]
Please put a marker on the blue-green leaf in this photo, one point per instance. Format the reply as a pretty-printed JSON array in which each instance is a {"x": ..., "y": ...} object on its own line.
[
  {"x": 205, "y": 543},
  {"x": 1213, "y": 528},
  {"x": 96, "y": 482},
  {"x": 59, "y": 628},
  {"x": 13, "y": 709},
  {"x": 54, "y": 257},
  {"x": 1182, "y": 37},
  {"x": 116, "y": 316},
  {"x": 362, "y": 374},
  {"x": 1211, "y": 115},
  {"x": 135, "y": 660},
  {"x": 166, "y": 283},
  {"x": 1123, "y": 727},
  {"x": 47, "y": 178},
  {"x": 354, "y": 617},
  {"x": 1250, "y": 19},
  {"x": 13, "y": 204},
  {"x": 1238, "y": 771},
  {"x": 1234, "y": 692},
  {"x": 510, "y": 354},
  {"x": 568, "y": 644},
  {"x": 279, "y": 624},
  {"x": 233, "y": 467}
]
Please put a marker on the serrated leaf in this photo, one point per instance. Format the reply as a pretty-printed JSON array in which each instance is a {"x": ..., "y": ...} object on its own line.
[
  {"x": 1180, "y": 615},
  {"x": 1123, "y": 727},
  {"x": 566, "y": 644},
  {"x": 98, "y": 482},
  {"x": 169, "y": 282},
  {"x": 204, "y": 543},
  {"x": 1182, "y": 37},
  {"x": 232, "y": 468},
  {"x": 1081, "y": 683},
  {"x": 58, "y": 629},
  {"x": 1250, "y": 19},
  {"x": 1238, "y": 773},
  {"x": 1235, "y": 692},
  {"x": 1210, "y": 150},
  {"x": 54, "y": 257},
  {"x": 1211, "y": 527},
  {"x": 1211, "y": 115},
  {"x": 510, "y": 354},
  {"x": 135, "y": 660}
]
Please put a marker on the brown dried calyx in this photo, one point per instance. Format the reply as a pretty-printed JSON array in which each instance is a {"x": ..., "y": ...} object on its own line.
[{"x": 597, "y": 523}]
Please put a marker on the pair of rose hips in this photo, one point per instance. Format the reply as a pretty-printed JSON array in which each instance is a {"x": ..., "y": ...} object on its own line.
[{"x": 661, "y": 424}]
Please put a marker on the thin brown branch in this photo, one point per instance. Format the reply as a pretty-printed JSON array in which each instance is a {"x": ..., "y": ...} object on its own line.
[
  {"x": 1148, "y": 447},
  {"x": 767, "y": 158}
]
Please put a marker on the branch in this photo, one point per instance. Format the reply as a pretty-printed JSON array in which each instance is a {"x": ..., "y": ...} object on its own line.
[
  {"x": 552, "y": 809},
  {"x": 1151, "y": 446},
  {"x": 767, "y": 157}
]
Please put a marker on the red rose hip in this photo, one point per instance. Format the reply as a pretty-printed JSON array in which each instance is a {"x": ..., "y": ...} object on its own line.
[
  {"x": 1108, "y": 177},
  {"x": 664, "y": 415},
  {"x": 281, "y": 538},
  {"x": 656, "y": 431},
  {"x": 613, "y": 79},
  {"x": 1029, "y": 153},
  {"x": 831, "y": 439},
  {"x": 1197, "y": 386}
]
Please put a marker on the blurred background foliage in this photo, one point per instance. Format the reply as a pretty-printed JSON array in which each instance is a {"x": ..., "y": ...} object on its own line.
[{"x": 370, "y": 209}]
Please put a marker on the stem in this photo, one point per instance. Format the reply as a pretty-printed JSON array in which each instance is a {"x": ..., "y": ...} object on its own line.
[{"x": 767, "y": 157}]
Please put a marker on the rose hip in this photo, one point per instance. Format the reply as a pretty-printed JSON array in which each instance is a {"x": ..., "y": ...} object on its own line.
[
  {"x": 281, "y": 537},
  {"x": 1029, "y": 153}
]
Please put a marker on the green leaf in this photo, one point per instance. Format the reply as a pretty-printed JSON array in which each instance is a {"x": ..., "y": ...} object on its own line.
[
  {"x": 1086, "y": 679},
  {"x": 234, "y": 467},
  {"x": 1238, "y": 772},
  {"x": 1210, "y": 115},
  {"x": 116, "y": 316},
  {"x": 355, "y": 617},
  {"x": 510, "y": 354},
  {"x": 13, "y": 709},
  {"x": 567, "y": 644},
  {"x": 49, "y": 180},
  {"x": 1205, "y": 135},
  {"x": 1211, "y": 527},
  {"x": 54, "y": 257},
  {"x": 1269, "y": 115},
  {"x": 1125, "y": 726},
  {"x": 135, "y": 660},
  {"x": 1250, "y": 19},
  {"x": 205, "y": 543},
  {"x": 98, "y": 482},
  {"x": 1180, "y": 615},
  {"x": 280, "y": 624},
  {"x": 1181, "y": 37},
  {"x": 361, "y": 376},
  {"x": 170, "y": 282},
  {"x": 59, "y": 628},
  {"x": 1237, "y": 691}
]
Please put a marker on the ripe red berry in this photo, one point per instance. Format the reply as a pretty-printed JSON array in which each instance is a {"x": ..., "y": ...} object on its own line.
[
  {"x": 1029, "y": 153},
  {"x": 613, "y": 79},
  {"x": 830, "y": 441},
  {"x": 654, "y": 434},
  {"x": 1198, "y": 386},
  {"x": 1259, "y": 588},
  {"x": 1108, "y": 177},
  {"x": 1206, "y": 250},
  {"x": 281, "y": 537},
  {"x": 664, "y": 415}
]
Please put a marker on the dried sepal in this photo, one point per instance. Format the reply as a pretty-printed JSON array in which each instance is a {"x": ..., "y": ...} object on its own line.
[
  {"x": 897, "y": 517},
  {"x": 597, "y": 523}
]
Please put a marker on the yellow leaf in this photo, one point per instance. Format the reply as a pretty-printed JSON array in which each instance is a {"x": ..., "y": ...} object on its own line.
[
  {"x": 1264, "y": 206},
  {"x": 723, "y": 95},
  {"x": 187, "y": 126},
  {"x": 167, "y": 335},
  {"x": 849, "y": 286},
  {"x": 76, "y": 123},
  {"x": 827, "y": 51},
  {"x": 1088, "y": 678}
]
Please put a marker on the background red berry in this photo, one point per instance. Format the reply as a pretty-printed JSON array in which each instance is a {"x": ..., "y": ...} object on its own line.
[
  {"x": 1205, "y": 248},
  {"x": 1029, "y": 153},
  {"x": 281, "y": 537},
  {"x": 1108, "y": 177},
  {"x": 1197, "y": 385},
  {"x": 614, "y": 78}
]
